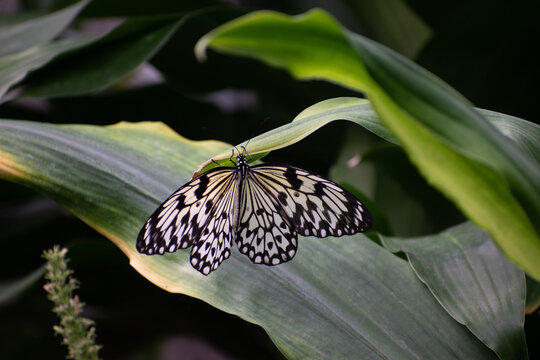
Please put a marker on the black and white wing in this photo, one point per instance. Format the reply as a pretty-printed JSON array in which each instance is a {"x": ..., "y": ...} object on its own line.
[
  {"x": 200, "y": 214},
  {"x": 264, "y": 234},
  {"x": 279, "y": 202}
]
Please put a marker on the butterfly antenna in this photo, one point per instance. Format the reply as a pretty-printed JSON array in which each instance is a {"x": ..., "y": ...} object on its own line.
[
  {"x": 238, "y": 151},
  {"x": 245, "y": 151},
  {"x": 232, "y": 155}
]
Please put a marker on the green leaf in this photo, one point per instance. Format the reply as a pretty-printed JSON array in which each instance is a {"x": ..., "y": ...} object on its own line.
[
  {"x": 14, "y": 67},
  {"x": 407, "y": 94},
  {"x": 474, "y": 282},
  {"x": 114, "y": 177},
  {"x": 26, "y": 46},
  {"x": 460, "y": 153},
  {"x": 404, "y": 202},
  {"x": 20, "y": 36},
  {"x": 86, "y": 65},
  {"x": 525, "y": 134},
  {"x": 308, "y": 46},
  {"x": 99, "y": 64},
  {"x": 312, "y": 118}
]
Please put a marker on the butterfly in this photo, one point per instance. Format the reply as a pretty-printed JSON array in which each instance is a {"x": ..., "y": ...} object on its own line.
[{"x": 262, "y": 208}]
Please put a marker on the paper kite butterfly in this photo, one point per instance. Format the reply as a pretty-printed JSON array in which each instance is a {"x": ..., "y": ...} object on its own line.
[{"x": 262, "y": 208}]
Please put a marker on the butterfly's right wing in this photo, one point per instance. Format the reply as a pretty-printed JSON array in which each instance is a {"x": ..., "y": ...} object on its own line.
[
  {"x": 200, "y": 214},
  {"x": 312, "y": 204},
  {"x": 279, "y": 202}
]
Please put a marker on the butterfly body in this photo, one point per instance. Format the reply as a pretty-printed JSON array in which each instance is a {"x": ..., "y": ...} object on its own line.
[{"x": 262, "y": 209}]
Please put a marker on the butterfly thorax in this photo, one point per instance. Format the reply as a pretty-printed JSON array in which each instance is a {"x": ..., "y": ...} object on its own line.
[{"x": 242, "y": 165}]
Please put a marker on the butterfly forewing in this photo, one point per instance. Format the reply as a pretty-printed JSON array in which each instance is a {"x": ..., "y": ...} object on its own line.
[
  {"x": 199, "y": 214},
  {"x": 313, "y": 205}
]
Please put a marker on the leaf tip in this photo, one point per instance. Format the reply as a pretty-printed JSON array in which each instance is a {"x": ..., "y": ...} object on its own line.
[{"x": 201, "y": 46}]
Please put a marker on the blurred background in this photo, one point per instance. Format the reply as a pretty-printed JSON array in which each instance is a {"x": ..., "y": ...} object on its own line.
[{"x": 484, "y": 49}]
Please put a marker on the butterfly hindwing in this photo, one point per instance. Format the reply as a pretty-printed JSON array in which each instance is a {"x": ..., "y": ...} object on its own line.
[
  {"x": 215, "y": 240},
  {"x": 199, "y": 214},
  {"x": 264, "y": 234}
]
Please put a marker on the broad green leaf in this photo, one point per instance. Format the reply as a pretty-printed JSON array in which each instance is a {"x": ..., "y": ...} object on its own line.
[
  {"x": 14, "y": 67},
  {"x": 339, "y": 298},
  {"x": 407, "y": 92},
  {"x": 309, "y": 46},
  {"x": 20, "y": 36},
  {"x": 459, "y": 152},
  {"x": 99, "y": 64},
  {"x": 86, "y": 65},
  {"x": 312, "y": 118},
  {"x": 474, "y": 282},
  {"x": 525, "y": 134}
]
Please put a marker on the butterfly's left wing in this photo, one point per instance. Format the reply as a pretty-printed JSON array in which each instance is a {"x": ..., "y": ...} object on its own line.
[
  {"x": 313, "y": 205},
  {"x": 201, "y": 214}
]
